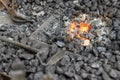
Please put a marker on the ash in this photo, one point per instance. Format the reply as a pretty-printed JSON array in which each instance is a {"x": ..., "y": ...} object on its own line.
[{"x": 51, "y": 18}]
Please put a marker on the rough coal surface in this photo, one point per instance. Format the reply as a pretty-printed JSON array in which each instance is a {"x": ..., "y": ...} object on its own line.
[{"x": 100, "y": 61}]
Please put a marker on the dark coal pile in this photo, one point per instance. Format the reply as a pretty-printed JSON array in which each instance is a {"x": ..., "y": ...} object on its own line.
[{"x": 48, "y": 32}]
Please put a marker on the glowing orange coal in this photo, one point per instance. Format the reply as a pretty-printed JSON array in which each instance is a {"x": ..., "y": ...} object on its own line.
[
  {"x": 73, "y": 25},
  {"x": 79, "y": 28},
  {"x": 84, "y": 27}
]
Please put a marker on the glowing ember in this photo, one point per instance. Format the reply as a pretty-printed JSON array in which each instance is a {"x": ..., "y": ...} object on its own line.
[
  {"x": 84, "y": 27},
  {"x": 76, "y": 28},
  {"x": 72, "y": 26}
]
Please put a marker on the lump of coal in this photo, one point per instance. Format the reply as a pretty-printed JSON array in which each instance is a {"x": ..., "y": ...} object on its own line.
[
  {"x": 118, "y": 35},
  {"x": 26, "y": 56},
  {"x": 60, "y": 43},
  {"x": 38, "y": 76},
  {"x": 95, "y": 65},
  {"x": 113, "y": 73},
  {"x": 101, "y": 49}
]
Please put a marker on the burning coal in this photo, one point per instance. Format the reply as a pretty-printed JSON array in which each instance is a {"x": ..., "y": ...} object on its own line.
[{"x": 79, "y": 28}]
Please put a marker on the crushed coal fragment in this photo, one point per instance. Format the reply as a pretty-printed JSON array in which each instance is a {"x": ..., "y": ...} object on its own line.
[{"x": 60, "y": 43}]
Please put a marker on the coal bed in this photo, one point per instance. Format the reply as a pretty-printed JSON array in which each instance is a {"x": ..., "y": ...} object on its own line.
[{"x": 61, "y": 40}]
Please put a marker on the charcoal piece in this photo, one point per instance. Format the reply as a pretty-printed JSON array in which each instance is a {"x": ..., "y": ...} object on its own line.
[
  {"x": 50, "y": 69},
  {"x": 77, "y": 67},
  {"x": 105, "y": 76},
  {"x": 49, "y": 0},
  {"x": 39, "y": 13},
  {"x": 88, "y": 49},
  {"x": 65, "y": 18},
  {"x": 79, "y": 58},
  {"x": 88, "y": 4},
  {"x": 31, "y": 70},
  {"x": 37, "y": 2},
  {"x": 34, "y": 63},
  {"x": 30, "y": 77},
  {"x": 56, "y": 6},
  {"x": 6, "y": 67},
  {"x": 61, "y": 77},
  {"x": 101, "y": 49},
  {"x": 65, "y": 61},
  {"x": 95, "y": 6},
  {"x": 60, "y": 43},
  {"x": 95, "y": 52},
  {"x": 62, "y": 5},
  {"x": 59, "y": 70},
  {"x": 113, "y": 35},
  {"x": 99, "y": 72},
  {"x": 3, "y": 28},
  {"x": 26, "y": 56},
  {"x": 69, "y": 74},
  {"x": 116, "y": 24},
  {"x": 38, "y": 75},
  {"x": 87, "y": 68},
  {"x": 78, "y": 7},
  {"x": 108, "y": 55},
  {"x": 115, "y": 45},
  {"x": 107, "y": 67},
  {"x": 70, "y": 47},
  {"x": 92, "y": 77},
  {"x": 85, "y": 59},
  {"x": 111, "y": 12},
  {"x": 118, "y": 35},
  {"x": 118, "y": 65},
  {"x": 48, "y": 34},
  {"x": 2, "y": 49},
  {"x": 118, "y": 14},
  {"x": 118, "y": 73},
  {"x": 117, "y": 52},
  {"x": 113, "y": 73},
  {"x": 113, "y": 59},
  {"x": 77, "y": 77},
  {"x": 93, "y": 71},
  {"x": 95, "y": 65},
  {"x": 84, "y": 75}
]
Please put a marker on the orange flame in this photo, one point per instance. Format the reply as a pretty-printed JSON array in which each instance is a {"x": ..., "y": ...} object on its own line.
[{"x": 82, "y": 28}]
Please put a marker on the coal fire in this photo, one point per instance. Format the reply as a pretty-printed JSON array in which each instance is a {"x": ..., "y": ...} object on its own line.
[
  {"x": 84, "y": 28},
  {"x": 77, "y": 29}
]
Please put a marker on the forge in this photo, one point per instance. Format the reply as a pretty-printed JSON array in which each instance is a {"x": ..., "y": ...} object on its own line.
[{"x": 60, "y": 39}]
